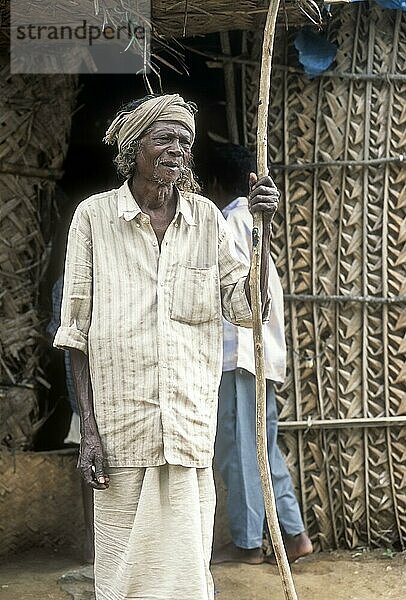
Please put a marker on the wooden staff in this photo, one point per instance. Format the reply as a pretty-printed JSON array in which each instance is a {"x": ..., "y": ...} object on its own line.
[{"x": 262, "y": 449}]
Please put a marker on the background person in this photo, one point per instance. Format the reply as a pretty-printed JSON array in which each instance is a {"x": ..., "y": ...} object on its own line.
[{"x": 228, "y": 170}]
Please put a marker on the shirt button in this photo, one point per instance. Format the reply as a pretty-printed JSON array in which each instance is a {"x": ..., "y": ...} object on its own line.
[
  {"x": 162, "y": 283},
  {"x": 176, "y": 224},
  {"x": 154, "y": 243}
]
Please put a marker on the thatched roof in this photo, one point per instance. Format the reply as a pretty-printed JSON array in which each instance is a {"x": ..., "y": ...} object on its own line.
[
  {"x": 170, "y": 18},
  {"x": 193, "y": 18}
]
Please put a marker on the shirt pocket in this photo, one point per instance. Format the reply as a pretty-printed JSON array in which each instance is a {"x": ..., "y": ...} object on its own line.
[{"x": 195, "y": 294}]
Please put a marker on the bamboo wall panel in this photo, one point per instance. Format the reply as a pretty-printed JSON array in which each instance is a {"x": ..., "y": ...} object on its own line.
[
  {"x": 40, "y": 501},
  {"x": 34, "y": 127},
  {"x": 341, "y": 231}
]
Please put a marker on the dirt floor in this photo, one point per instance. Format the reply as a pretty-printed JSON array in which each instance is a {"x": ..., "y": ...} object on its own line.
[{"x": 359, "y": 575}]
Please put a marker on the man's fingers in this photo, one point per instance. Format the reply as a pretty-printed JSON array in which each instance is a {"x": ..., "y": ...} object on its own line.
[
  {"x": 99, "y": 469},
  {"x": 89, "y": 479},
  {"x": 87, "y": 474},
  {"x": 264, "y": 201},
  {"x": 264, "y": 206},
  {"x": 97, "y": 480},
  {"x": 262, "y": 190},
  {"x": 266, "y": 181},
  {"x": 267, "y": 208},
  {"x": 253, "y": 180},
  {"x": 91, "y": 462}
]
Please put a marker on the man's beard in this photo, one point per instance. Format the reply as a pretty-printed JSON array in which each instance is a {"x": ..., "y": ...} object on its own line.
[{"x": 162, "y": 182}]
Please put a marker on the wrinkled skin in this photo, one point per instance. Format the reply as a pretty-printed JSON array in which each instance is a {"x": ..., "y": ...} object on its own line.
[
  {"x": 164, "y": 151},
  {"x": 91, "y": 462},
  {"x": 264, "y": 197}
]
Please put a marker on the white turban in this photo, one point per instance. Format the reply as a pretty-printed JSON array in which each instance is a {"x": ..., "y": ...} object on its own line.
[{"x": 129, "y": 126}]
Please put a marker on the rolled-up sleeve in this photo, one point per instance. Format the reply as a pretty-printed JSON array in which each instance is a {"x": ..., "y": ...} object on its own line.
[
  {"x": 76, "y": 307},
  {"x": 233, "y": 273}
]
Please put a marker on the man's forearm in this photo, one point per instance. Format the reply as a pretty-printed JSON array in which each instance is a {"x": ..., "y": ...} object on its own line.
[
  {"x": 83, "y": 387},
  {"x": 91, "y": 460}
]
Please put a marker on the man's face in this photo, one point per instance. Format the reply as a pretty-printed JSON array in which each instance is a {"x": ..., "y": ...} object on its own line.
[{"x": 164, "y": 151}]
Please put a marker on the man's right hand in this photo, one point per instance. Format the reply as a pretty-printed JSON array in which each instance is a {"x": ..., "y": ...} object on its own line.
[{"x": 91, "y": 461}]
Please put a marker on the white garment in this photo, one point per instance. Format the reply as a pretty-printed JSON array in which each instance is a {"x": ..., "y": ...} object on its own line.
[
  {"x": 237, "y": 341},
  {"x": 153, "y": 534},
  {"x": 150, "y": 320}
]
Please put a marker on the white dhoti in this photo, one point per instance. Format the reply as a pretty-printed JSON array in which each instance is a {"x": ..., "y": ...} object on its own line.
[{"x": 153, "y": 534}]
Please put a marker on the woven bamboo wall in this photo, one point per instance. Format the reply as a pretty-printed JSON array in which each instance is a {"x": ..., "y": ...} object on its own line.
[
  {"x": 34, "y": 126},
  {"x": 341, "y": 232},
  {"x": 40, "y": 501}
]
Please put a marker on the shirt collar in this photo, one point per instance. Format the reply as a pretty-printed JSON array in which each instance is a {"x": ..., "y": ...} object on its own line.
[
  {"x": 185, "y": 209},
  {"x": 128, "y": 208}
]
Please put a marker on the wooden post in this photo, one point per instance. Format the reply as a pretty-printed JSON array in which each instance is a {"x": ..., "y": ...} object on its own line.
[
  {"x": 262, "y": 450},
  {"x": 229, "y": 84}
]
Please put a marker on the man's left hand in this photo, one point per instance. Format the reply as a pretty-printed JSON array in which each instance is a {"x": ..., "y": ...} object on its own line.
[{"x": 264, "y": 197}]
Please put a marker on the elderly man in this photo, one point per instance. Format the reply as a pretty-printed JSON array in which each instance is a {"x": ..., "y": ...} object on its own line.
[{"x": 150, "y": 269}]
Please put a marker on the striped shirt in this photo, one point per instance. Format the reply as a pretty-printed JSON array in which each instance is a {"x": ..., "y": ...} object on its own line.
[{"x": 150, "y": 320}]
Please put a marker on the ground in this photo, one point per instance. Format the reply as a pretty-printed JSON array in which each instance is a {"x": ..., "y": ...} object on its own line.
[{"x": 377, "y": 575}]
